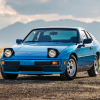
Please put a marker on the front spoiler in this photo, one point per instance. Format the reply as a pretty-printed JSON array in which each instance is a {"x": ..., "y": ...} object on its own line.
[
  {"x": 33, "y": 72},
  {"x": 50, "y": 69}
]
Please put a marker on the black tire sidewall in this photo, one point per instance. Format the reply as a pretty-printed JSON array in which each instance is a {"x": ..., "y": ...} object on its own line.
[
  {"x": 92, "y": 72},
  {"x": 66, "y": 73},
  {"x": 8, "y": 76},
  {"x": 94, "y": 66}
]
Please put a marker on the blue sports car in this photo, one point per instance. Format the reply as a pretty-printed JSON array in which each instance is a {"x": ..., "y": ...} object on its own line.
[{"x": 52, "y": 50}]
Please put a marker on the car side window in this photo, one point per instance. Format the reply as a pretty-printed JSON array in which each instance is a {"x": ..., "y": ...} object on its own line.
[
  {"x": 30, "y": 37},
  {"x": 82, "y": 36},
  {"x": 88, "y": 35}
]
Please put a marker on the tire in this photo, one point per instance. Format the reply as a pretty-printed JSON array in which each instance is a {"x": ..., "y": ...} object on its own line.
[
  {"x": 39, "y": 75},
  {"x": 94, "y": 69},
  {"x": 8, "y": 76},
  {"x": 71, "y": 69}
]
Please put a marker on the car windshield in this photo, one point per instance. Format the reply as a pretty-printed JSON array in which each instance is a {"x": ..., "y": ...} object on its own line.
[{"x": 52, "y": 35}]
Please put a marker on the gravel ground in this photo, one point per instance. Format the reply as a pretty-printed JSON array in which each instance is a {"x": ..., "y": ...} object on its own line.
[{"x": 30, "y": 87}]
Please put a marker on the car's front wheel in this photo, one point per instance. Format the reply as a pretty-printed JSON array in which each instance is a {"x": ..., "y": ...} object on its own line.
[
  {"x": 94, "y": 70},
  {"x": 8, "y": 76},
  {"x": 71, "y": 69}
]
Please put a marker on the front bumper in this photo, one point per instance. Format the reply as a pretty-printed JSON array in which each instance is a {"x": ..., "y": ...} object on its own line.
[{"x": 30, "y": 67}]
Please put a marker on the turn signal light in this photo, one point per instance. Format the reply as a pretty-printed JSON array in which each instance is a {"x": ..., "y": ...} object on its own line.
[
  {"x": 65, "y": 62},
  {"x": 2, "y": 62},
  {"x": 55, "y": 62}
]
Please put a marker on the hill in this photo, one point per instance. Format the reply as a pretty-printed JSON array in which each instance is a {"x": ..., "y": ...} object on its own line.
[{"x": 8, "y": 35}]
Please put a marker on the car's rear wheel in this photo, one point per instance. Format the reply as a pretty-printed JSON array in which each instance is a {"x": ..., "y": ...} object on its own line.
[
  {"x": 71, "y": 69},
  {"x": 8, "y": 76},
  {"x": 94, "y": 70}
]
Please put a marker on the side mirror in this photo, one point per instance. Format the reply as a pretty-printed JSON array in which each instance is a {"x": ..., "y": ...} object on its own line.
[
  {"x": 87, "y": 41},
  {"x": 18, "y": 41}
]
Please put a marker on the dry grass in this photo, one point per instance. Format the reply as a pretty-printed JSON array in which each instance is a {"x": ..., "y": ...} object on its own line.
[
  {"x": 1, "y": 50},
  {"x": 99, "y": 65}
]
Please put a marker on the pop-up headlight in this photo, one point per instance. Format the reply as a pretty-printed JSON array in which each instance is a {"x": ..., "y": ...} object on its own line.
[{"x": 8, "y": 52}]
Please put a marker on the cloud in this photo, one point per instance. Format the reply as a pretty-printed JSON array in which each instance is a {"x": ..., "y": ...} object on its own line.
[
  {"x": 6, "y": 9},
  {"x": 25, "y": 11},
  {"x": 76, "y": 8},
  {"x": 52, "y": 17},
  {"x": 46, "y": 17},
  {"x": 43, "y": 0}
]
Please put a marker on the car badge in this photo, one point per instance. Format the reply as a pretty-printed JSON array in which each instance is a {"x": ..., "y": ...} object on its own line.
[{"x": 30, "y": 53}]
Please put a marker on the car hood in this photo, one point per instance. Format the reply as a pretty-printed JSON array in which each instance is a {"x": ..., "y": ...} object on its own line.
[{"x": 37, "y": 50}]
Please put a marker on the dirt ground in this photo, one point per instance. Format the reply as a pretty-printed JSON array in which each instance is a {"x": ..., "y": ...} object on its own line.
[{"x": 52, "y": 87}]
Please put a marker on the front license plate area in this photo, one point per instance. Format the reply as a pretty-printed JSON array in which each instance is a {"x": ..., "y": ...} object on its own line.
[{"x": 26, "y": 62}]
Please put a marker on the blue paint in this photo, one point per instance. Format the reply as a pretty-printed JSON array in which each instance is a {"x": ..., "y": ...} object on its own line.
[{"x": 30, "y": 52}]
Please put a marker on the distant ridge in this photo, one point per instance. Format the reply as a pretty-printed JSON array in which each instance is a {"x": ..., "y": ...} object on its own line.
[{"x": 18, "y": 30}]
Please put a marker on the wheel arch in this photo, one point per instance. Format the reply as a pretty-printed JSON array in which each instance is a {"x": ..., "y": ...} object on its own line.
[
  {"x": 74, "y": 55},
  {"x": 98, "y": 55}
]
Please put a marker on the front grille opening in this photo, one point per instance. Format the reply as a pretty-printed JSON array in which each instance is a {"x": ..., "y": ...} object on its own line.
[
  {"x": 30, "y": 68},
  {"x": 43, "y": 63},
  {"x": 12, "y": 62}
]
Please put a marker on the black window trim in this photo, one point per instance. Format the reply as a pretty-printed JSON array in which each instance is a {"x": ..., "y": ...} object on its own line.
[
  {"x": 88, "y": 34},
  {"x": 85, "y": 33}
]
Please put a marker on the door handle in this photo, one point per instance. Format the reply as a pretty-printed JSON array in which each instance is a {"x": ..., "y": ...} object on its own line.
[{"x": 91, "y": 48}]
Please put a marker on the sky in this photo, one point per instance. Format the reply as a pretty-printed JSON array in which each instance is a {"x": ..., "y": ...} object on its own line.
[{"x": 12, "y": 11}]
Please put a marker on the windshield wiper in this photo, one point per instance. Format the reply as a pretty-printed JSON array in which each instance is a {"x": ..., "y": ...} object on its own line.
[
  {"x": 54, "y": 41},
  {"x": 42, "y": 41}
]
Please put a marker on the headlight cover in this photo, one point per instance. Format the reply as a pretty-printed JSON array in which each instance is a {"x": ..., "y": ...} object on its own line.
[
  {"x": 52, "y": 53},
  {"x": 8, "y": 52}
]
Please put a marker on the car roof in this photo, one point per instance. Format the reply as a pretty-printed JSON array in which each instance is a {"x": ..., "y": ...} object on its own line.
[{"x": 77, "y": 28}]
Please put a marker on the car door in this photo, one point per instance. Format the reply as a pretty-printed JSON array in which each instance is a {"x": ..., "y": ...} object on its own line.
[
  {"x": 94, "y": 46},
  {"x": 86, "y": 51}
]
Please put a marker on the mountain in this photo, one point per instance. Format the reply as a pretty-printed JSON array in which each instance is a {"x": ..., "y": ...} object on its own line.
[{"x": 8, "y": 35}]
